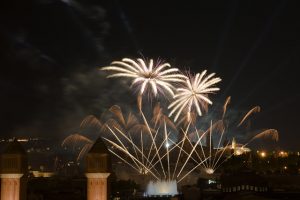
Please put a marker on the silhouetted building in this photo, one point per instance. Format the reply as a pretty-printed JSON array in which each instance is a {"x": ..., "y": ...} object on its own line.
[{"x": 243, "y": 181}]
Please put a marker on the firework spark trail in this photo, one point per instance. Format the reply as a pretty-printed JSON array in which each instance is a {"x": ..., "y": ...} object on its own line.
[
  {"x": 156, "y": 155},
  {"x": 196, "y": 149},
  {"x": 148, "y": 165},
  {"x": 219, "y": 144},
  {"x": 205, "y": 163},
  {"x": 152, "y": 146},
  {"x": 84, "y": 150},
  {"x": 185, "y": 135},
  {"x": 200, "y": 163},
  {"x": 126, "y": 124},
  {"x": 153, "y": 141},
  {"x": 125, "y": 149},
  {"x": 273, "y": 132},
  {"x": 90, "y": 120},
  {"x": 130, "y": 141},
  {"x": 117, "y": 111},
  {"x": 130, "y": 155},
  {"x": 157, "y": 77},
  {"x": 167, "y": 146},
  {"x": 222, "y": 152},
  {"x": 75, "y": 139},
  {"x": 159, "y": 118},
  {"x": 176, "y": 145},
  {"x": 253, "y": 110},
  {"x": 193, "y": 149},
  {"x": 225, "y": 106},
  {"x": 142, "y": 145},
  {"x": 120, "y": 157},
  {"x": 163, "y": 156},
  {"x": 160, "y": 146},
  {"x": 193, "y": 94},
  {"x": 170, "y": 150},
  {"x": 134, "y": 149},
  {"x": 181, "y": 148}
]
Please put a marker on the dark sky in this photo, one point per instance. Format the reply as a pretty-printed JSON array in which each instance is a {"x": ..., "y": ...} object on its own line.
[{"x": 50, "y": 51}]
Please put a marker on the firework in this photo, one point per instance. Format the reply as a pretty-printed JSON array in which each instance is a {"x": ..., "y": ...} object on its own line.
[
  {"x": 193, "y": 95},
  {"x": 225, "y": 106},
  {"x": 267, "y": 133},
  {"x": 90, "y": 120},
  {"x": 155, "y": 77},
  {"x": 256, "y": 109},
  {"x": 74, "y": 140},
  {"x": 78, "y": 141},
  {"x": 215, "y": 156},
  {"x": 152, "y": 156},
  {"x": 159, "y": 118},
  {"x": 147, "y": 145}
]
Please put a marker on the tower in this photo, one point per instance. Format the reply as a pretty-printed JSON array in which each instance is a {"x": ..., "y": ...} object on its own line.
[
  {"x": 98, "y": 167},
  {"x": 13, "y": 170}
]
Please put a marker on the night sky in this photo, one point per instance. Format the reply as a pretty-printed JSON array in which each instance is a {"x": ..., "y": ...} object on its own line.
[{"x": 50, "y": 51}]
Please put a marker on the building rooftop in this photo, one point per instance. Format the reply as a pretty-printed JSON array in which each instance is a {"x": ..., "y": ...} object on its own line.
[
  {"x": 14, "y": 147},
  {"x": 99, "y": 147}
]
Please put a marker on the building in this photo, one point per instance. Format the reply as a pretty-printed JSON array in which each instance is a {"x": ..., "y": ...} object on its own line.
[{"x": 14, "y": 172}]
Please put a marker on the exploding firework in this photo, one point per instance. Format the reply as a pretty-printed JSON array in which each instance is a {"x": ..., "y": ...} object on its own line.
[
  {"x": 78, "y": 142},
  {"x": 217, "y": 131},
  {"x": 127, "y": 123},
  {"x": 152, "y": 153},
  {"x": 193, "y": 95},
  {"x": 148, "y": 146},
  {"x": 156, "y": 78}
]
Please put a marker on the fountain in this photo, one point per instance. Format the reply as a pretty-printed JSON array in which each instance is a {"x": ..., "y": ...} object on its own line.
[{"x": 162, "y": 188}]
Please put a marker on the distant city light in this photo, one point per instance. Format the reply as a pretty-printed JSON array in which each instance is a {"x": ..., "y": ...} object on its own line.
[
  {"x": 283, "y": 154},
  {"x": 22, "y": 140},
  {"x": 263, "y": 154}
]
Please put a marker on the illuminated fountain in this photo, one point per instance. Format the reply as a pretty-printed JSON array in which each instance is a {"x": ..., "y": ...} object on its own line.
[{"x": 161, "y": 188}]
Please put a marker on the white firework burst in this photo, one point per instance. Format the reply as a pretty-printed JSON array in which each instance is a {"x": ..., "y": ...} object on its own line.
[
  {"x": 157, "y": 78},
  {"x": 194, "y": 94}
]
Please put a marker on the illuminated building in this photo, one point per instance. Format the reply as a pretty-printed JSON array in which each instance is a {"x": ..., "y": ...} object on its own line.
[
  {"x": 13, "y": 172},
  {"x": 98, "y": 166},
  {"x": 238, "y": 149}
]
